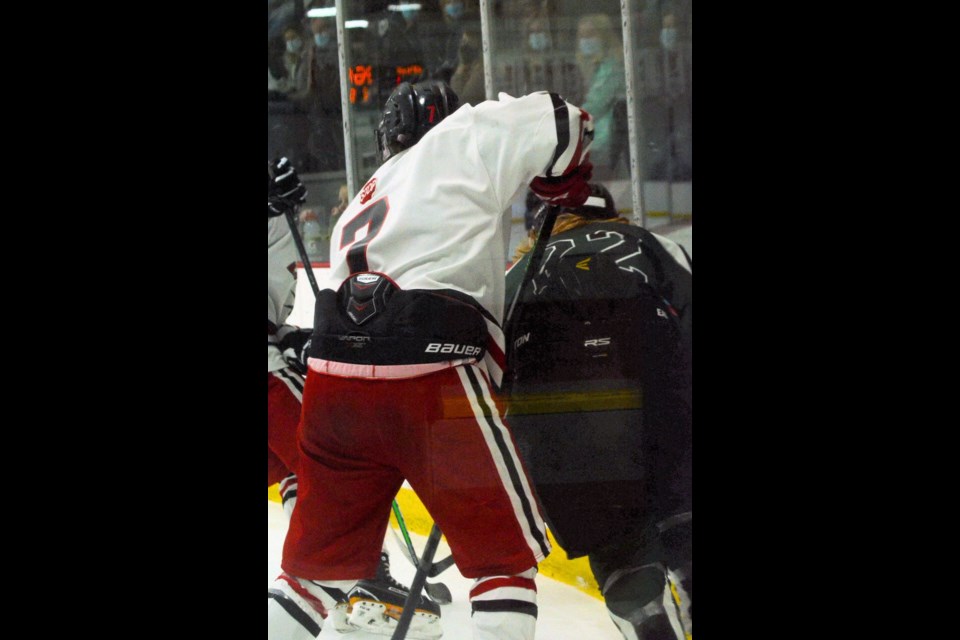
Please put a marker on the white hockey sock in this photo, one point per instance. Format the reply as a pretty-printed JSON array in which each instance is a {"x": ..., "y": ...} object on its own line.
[
  {"x": 296, "y": 608},
  {"x": 505, "y": 607}
]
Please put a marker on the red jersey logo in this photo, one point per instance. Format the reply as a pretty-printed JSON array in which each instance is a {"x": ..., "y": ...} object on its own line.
[{"x": 367, "y": 192}]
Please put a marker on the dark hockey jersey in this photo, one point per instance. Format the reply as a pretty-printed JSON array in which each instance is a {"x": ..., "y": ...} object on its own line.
[{"x": 599, "y": 381}]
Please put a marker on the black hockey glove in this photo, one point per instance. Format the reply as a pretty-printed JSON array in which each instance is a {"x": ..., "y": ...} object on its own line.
[
  {"x": 285, "y": 191},
  {"x": 294, "y": 344}
]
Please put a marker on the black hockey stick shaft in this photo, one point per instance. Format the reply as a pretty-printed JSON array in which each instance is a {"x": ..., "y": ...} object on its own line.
[
  {"x": 303, "y": 252},
  {"x": 533, "y": 263},
  {"x": 441, "y": 566},
  {"x": 438, "y": 591},
  {"x": 438, "y": 567},
  {"x": 410, "y": 606}
]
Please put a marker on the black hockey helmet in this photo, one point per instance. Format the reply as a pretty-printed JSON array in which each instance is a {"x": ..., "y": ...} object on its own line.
[
  {"x": 410, "y": 112},
  {"x": 598, "y": 205}
]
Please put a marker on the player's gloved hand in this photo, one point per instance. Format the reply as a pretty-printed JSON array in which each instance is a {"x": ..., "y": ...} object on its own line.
[
  {"x": 285, "y": 191},
  {"x": 294, "y": 344},
  {"x": 569, "y": 190}
]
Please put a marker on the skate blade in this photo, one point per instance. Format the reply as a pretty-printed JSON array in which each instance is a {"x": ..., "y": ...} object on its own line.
[{"x": 381, "y": 619}]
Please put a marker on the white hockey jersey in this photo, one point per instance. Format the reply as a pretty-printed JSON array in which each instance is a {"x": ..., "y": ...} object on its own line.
[
  {"x": 432, "y": 217},
  {"x": 281, "y": 284}
]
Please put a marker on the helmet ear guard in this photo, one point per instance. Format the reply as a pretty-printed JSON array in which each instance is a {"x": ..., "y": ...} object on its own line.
[{"x": 398, "y": 122}]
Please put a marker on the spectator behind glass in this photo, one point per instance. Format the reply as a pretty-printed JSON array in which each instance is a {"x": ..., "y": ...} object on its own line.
[
  {"x": 421, "y": 37},
  {"x": 548, "y": 62},
  {"x": 343, "y": 199},
  {"x": 467, "y": 80},
  {"x": 323, "y": 99},
  {"x": 312, "y": 233},
  {"x": 675, "y": 48},
  {"x": 398, "y": 53},
  {"x": 296, "y": 64},
  {"x": 600, "y": 60},
  {"x": 455, "y": 13}
]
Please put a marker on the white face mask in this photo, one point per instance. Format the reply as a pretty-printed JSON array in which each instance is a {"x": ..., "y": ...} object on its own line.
[
  {"x": 590, "y": 46},
  {"x": 539, "y": 41},
  {"x": 293, "y": 46},
  {"x": 668, "y": 38}
]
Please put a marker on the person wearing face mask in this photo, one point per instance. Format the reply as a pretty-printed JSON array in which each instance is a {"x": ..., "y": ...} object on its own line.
[
  {"x": 540, "y": 63},
  {"x": 675, "y": 60},
  {"x": 456, "y": 15},
  {"x": 539, "y": 41},
  {"x": 668, "y": 34},
  {"x": 321, "y": 99},
  {"x": 296, "y": 63},
  {"x": 600, "y": 61},
  {"x": 453, "y": 9},
  {"x": 467, "y": 80}
]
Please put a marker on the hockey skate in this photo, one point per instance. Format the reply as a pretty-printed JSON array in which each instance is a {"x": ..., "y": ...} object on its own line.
[{"x": 375, "y": 606}]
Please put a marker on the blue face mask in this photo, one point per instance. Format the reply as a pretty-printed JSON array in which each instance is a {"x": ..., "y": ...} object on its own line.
[
  {"x": 409, "y": 14},
  {"x": 590, "y": 46},
  {"x": 454, "y": 10},
  {"x": 321, "y": 39},
  {"x": 293, "y": 46},
  {"x": 668, "y": 38},
  {"x": 539, "y": 41}
]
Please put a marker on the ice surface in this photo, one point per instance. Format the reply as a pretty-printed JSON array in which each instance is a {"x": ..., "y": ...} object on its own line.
[{"x": 565, "y": 613}]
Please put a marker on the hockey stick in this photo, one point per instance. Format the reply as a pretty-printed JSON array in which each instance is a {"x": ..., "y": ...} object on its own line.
[
  {"x": 536, "y": 254},
  {"x": 410, "y": 554},
  {"x": 438, "y": 591},
  {"x": 409, "y": 606},
  {"x": 302, "y": 251},
  {"x": 438, "y": 567}
]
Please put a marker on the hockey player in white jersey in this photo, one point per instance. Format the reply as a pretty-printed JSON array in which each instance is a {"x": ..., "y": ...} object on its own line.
[
  {"x": 284, "y": 382},
  {"x": 406, "y": 345},
  {"x": 285, "y": 368}
]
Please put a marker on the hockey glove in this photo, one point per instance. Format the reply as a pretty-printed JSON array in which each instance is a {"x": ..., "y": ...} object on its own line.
[
  {"x": 285, "y": 191},
  {"x": 294, "y": 344},
  {"x": 569, "y": 190}
]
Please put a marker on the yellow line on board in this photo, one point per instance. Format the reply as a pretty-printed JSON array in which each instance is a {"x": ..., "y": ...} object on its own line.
[{"x": 556, "y": 566}]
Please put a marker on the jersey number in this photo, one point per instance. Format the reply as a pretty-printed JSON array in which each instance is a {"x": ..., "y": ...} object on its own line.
[{"x": 372, "y": 217}]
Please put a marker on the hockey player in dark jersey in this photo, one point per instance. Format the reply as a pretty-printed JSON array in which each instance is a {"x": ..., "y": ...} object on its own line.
[{"x": 599, "y": 382}]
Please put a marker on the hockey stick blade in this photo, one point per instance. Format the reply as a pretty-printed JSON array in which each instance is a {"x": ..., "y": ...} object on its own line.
[{"x": 438, "y": 592}]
